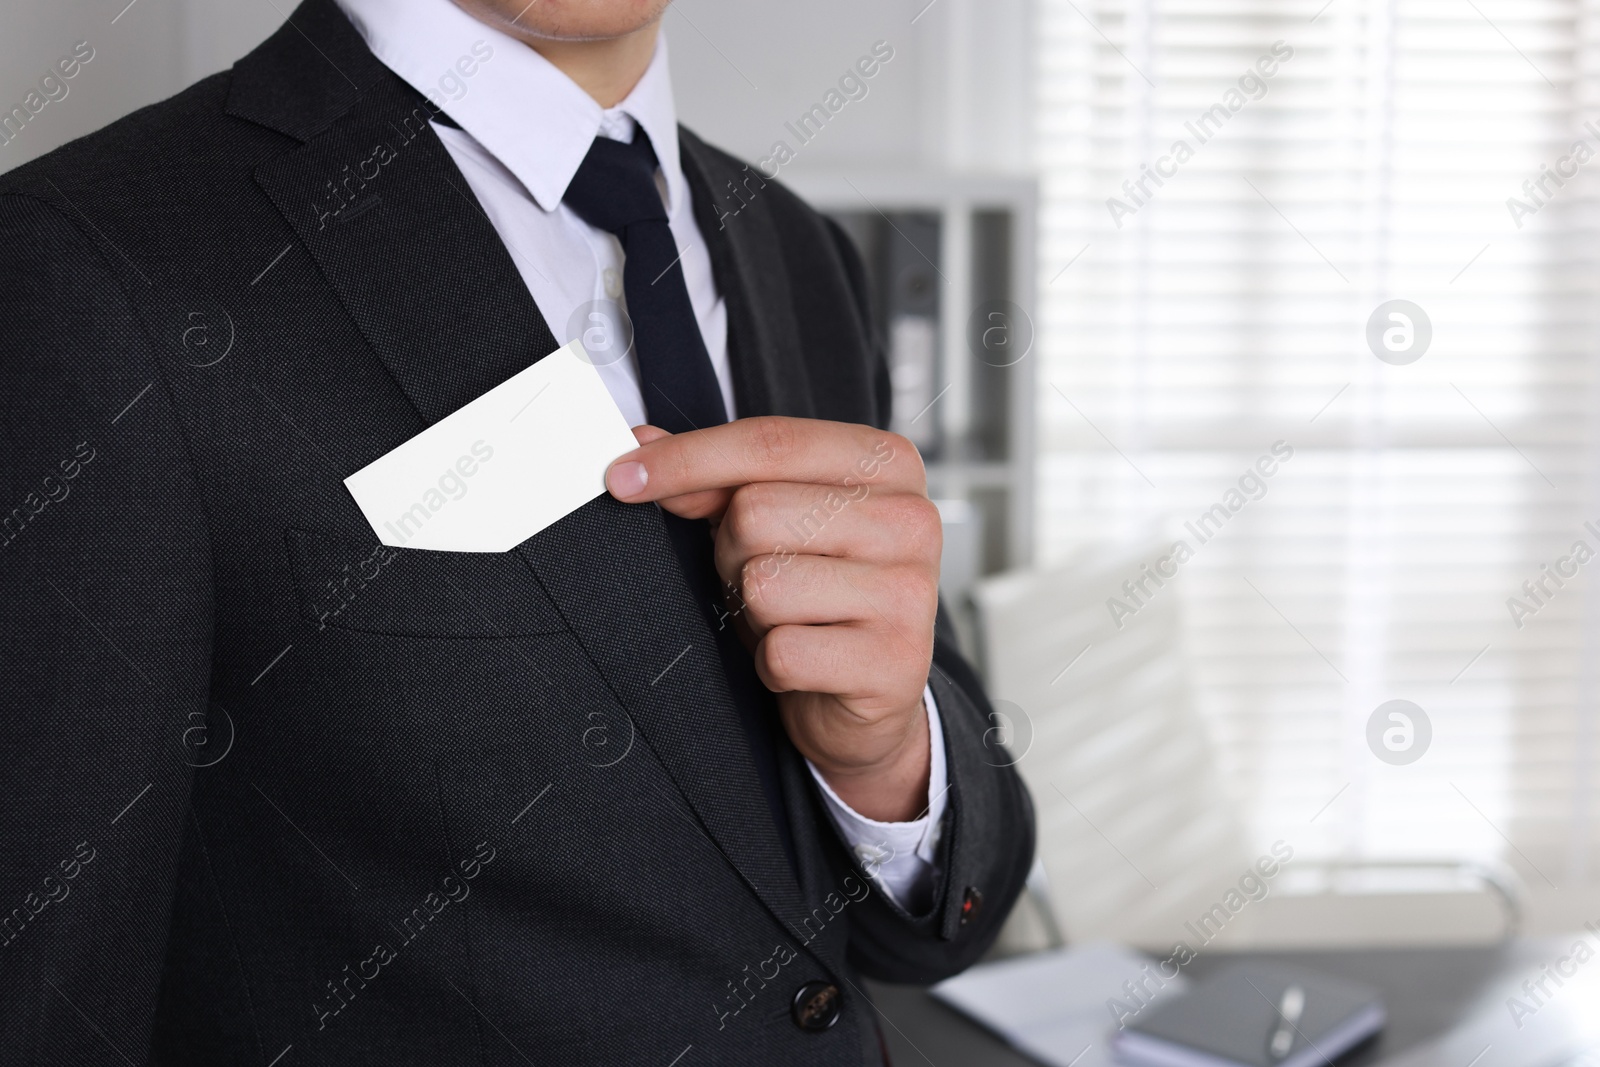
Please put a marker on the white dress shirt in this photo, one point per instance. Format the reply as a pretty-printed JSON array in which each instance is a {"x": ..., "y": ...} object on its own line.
[{"x": 525, "y": 128}]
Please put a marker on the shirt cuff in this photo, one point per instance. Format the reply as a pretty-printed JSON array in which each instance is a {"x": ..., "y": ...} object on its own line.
[{"x": 899, "y": 856}]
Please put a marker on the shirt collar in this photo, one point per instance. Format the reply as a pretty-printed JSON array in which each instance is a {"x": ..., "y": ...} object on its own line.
[{"x": 529, "y": 115}]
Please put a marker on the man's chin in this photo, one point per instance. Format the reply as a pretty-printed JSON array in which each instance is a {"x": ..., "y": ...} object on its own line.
[{"x": 572, "y": 21}]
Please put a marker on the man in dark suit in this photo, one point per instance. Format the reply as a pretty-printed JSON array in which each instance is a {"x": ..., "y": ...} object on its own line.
[{"x": 656, "y": 787}]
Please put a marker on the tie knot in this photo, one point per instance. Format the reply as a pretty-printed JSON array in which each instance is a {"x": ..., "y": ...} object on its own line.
[{"x": 615, "y": 185}]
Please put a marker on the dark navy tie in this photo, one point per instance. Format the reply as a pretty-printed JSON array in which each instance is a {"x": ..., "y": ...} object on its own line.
[{"x": 615, "y": 190}]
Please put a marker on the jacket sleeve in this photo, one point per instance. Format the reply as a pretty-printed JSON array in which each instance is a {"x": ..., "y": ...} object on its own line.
[
  {"x": 105, "y": 646},
  {"x": 987, "y": 845}
]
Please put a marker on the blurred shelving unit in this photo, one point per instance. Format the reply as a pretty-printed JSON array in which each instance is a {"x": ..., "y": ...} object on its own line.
[{"x": 951, "y": 257}]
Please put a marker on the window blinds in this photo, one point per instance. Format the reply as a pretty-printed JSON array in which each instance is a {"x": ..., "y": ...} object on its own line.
[{"x": 1338, "y": 156}]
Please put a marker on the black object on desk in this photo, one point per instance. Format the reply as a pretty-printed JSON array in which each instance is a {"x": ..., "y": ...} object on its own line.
[
  {"x": 1428, "y": 992},
  {"x": 1255, "y": 1015}
]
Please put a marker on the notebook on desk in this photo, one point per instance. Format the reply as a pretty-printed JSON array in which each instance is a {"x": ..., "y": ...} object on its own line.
[
  {"x": 1062, "y": 1008},
  {"x": 1254, "y": 1015}
]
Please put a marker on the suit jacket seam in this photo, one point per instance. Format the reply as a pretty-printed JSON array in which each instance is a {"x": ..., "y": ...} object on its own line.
[
  {"x": 188, "y": 450},
  {"x": 227, "y": 923},
  {"x": 466, "y": 913}
]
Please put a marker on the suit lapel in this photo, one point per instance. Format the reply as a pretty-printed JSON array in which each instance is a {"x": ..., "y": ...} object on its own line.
[
  {"x": 746, "y": 260},
  {"x": 410, "y": 253},
  {"x": 433, "y": 290}
]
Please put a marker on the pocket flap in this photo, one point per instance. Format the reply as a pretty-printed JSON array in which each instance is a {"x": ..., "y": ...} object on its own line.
[{"x": 357, "y": 584}]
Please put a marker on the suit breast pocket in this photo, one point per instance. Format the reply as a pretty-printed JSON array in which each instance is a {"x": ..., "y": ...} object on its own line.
[{"x": 357, "y": 584}]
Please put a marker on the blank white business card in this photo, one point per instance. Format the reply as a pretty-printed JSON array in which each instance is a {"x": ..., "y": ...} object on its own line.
[{"x": 490, "y": 475}]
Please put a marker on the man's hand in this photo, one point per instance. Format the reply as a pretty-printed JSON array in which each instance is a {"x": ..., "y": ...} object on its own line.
[{"x": 829, "y": 550}]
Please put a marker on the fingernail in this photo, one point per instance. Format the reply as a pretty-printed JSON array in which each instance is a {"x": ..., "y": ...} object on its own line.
[{"x": 627, "y": 479}]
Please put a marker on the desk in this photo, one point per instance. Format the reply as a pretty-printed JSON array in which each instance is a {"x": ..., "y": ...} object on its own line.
[{"x": 1428, "y": 991}]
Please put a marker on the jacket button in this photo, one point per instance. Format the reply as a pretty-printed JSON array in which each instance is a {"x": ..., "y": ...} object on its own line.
[
  {"x": 815, "y": 1006},
  {"x": 971, "y": 904}
]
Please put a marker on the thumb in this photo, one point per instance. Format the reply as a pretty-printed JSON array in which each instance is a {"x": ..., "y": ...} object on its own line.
[{"x": 709, "y": 504}]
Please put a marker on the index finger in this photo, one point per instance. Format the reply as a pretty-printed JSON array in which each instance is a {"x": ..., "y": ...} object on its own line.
[{"x": 770, "y": 448}]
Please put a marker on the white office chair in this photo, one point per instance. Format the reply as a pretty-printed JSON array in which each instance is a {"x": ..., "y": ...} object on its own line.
[{"x": 1137, "y": 834}]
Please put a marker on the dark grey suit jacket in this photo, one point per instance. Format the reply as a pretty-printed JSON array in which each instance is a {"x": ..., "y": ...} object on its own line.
[{"x": 274, "y": 794}]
